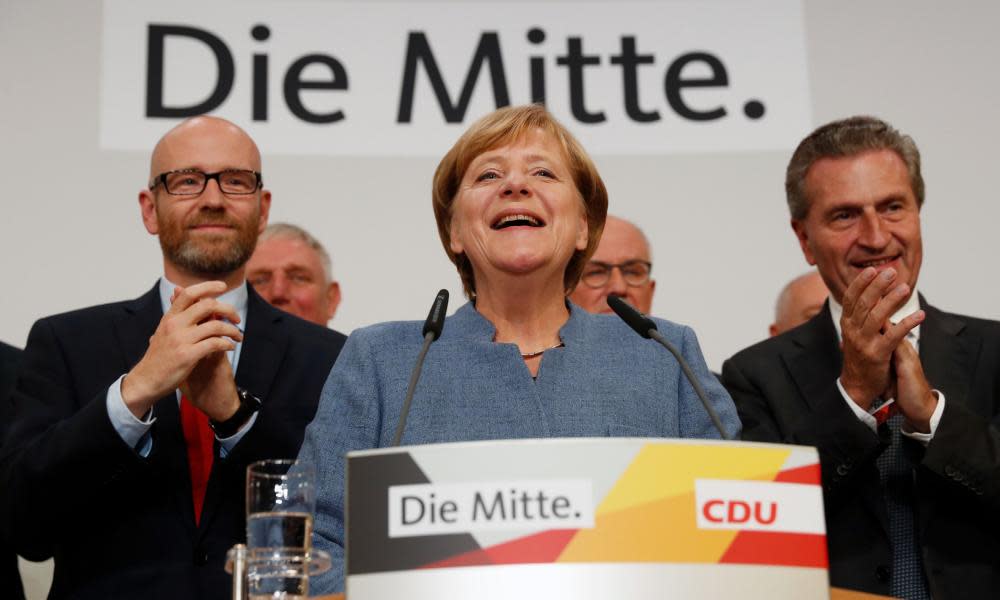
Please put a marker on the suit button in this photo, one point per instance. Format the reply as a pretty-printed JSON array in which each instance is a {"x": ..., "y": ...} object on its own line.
[
  {"x": 882, "y": 573},
  {"x": 200, "y": 557},
  {"x": 842, "y": 470}
]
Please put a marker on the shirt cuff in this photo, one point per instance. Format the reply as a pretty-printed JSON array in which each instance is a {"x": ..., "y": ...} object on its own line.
[
  {"x": 859, "y": 412},
  {"x": 133, "y": 431},
  {"x": 925, "y": 438},
  {"x": 226, "y": 445}
]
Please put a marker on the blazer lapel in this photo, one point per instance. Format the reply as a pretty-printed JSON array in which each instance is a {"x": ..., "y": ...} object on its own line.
[
  {"x": 263, "y": 348},
  {"x": 946, "y": 350},
  {"x": 814, "y": 360},
  {"x": 136, "y": 323},
  {"x": 134, "y": 326}
]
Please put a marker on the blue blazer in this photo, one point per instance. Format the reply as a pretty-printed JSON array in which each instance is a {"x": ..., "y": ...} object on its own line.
[{"x": 606, "y": 382}]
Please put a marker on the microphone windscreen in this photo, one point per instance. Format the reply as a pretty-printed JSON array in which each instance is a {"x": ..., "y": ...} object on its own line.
[
  {"x": 435, "y": 319},
  {"x": 632, "y": 317}
]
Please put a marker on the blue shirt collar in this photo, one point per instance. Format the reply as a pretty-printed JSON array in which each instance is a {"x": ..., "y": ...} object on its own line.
[{"x": 237, "y": 297}]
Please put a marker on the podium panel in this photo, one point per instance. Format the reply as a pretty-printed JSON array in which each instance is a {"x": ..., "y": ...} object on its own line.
[{"x": 586, "y": 518}]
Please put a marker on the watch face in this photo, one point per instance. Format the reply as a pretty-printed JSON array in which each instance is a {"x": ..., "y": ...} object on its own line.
[{"x": 248, "y": 399}]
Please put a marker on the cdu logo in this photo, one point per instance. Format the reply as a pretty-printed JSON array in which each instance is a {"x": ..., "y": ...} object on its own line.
[{"x": 759, "y": 506}]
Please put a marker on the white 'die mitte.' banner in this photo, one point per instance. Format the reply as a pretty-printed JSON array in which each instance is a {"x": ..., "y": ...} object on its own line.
[
  {"x": 439, "y": 509},
  {"x": 399, "y": 79}
]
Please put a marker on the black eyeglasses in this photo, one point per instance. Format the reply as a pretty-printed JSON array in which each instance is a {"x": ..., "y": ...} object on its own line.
[
  {"x": 191, "y": 182},
  {"x": 635, "y": 273}
]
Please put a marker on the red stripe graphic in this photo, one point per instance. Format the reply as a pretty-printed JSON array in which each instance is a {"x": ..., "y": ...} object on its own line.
[
  {"x": 777, "y": 548},
  {"x": 809, "y": 474}
]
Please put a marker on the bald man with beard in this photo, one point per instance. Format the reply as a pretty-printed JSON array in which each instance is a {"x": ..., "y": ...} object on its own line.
[{"x": 134, "y": 422}]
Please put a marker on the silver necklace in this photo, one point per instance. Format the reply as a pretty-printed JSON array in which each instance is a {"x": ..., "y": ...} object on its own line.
[{"x": 542, "y": 351}]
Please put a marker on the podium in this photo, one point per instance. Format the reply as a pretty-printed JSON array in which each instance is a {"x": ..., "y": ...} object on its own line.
[{"x": 586, "y": 518}]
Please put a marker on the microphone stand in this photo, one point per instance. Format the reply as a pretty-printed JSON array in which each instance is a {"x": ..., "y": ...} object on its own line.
[
  {"x": 698, "y": 390},
  {"x": 432, "y": 331},
  {"x": 646, "y": 327},
  {"x": 414, "y": 378}
]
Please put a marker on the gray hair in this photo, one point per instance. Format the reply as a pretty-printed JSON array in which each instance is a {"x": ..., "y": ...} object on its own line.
[
  {"x": 845, "y": 138},
  {"x": 287, "y": 231}
]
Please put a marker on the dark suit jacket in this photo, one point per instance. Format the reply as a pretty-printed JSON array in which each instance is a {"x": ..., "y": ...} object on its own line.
[
  {"x": 785, "y": 391},
  {"x": 119, "y": 525},
  {"x": 10, "y": 579}
]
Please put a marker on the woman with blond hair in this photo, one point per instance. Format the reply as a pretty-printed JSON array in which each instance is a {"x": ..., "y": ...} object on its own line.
[{"x": 519, "y": 208}]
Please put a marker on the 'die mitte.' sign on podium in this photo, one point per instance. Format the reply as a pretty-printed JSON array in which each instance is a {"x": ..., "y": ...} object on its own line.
[{"x": 586, "y": 519}]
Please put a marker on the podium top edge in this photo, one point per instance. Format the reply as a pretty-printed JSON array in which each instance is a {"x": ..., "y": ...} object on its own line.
[{"x": 577, "y": 441}]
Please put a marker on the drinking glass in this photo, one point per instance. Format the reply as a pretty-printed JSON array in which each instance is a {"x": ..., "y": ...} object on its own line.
[{"x": 281, "y": 500}]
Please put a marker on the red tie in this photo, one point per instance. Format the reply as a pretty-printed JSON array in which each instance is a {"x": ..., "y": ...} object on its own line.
[
  {"x": 200, "y": 440},
  {"x": 885, "y": 412}
]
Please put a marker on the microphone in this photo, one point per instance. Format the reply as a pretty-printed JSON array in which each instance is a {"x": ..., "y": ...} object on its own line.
[
  {"x": 432, "y": 331},
  {"x": 646, "y": 327},
  {"x": 435, "y": 319}
]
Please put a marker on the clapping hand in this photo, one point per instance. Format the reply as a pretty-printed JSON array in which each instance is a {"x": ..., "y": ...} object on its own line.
[
  {"x": 869, "y": 341},
  {"x": 196, "y": 329}
]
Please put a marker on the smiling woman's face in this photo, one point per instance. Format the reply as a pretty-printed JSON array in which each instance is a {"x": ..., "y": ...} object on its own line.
[{"x": 517, "y": 211}]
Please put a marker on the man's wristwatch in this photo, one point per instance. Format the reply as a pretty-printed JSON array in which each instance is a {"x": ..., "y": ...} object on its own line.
[{"x": 249, "y": 404}]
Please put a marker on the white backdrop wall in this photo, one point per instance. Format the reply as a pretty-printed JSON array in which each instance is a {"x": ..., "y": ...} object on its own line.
[{"x": 70, "y": 234}]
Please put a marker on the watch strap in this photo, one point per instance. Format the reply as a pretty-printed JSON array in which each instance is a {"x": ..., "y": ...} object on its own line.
[{"x": 249, "y": 404}]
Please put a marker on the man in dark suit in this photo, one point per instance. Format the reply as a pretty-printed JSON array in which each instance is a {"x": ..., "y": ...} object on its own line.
[
  {"x": 10, "y": 579},
  {"x": 901, "y": 399},
  {"x": 131, "y": 434}
]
